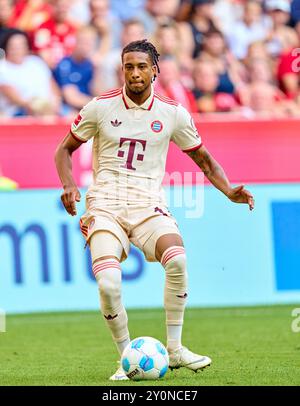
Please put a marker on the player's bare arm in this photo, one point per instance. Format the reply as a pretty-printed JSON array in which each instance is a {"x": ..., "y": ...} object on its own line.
[
  {"x": 216, "y": 175},
  {"x": 63, "y": 161}
]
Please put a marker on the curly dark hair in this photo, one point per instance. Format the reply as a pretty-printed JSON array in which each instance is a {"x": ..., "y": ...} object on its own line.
[{"x": 146, "y": 47}]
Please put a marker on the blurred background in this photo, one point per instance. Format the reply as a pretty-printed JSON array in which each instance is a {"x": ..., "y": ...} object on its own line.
[{"x": 234, "y": 64}]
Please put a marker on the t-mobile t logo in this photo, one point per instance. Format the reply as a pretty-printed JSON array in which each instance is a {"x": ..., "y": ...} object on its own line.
[{"x": 130, "y": 156}]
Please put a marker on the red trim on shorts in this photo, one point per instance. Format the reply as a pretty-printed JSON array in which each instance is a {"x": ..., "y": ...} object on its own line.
[
  {"x": 193, "y": 148},
  {"x": 76, "y": 138},
  {"x": 85, "y": 233},
  {"x": 84, "y": 229}
]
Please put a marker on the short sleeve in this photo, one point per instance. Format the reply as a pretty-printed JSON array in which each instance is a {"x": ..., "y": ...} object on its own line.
[
  {"x": 185, "y": 134},
  {"x": 85, "y": 125}
]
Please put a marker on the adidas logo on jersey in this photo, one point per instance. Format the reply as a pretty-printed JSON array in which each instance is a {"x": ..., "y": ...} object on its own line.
[{"x": 116, "y": 123}]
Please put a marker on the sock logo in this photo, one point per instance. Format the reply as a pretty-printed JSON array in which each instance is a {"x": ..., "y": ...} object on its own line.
[
  {"x": 110, "y": 317},
  {"x": 182, "y": 296}
]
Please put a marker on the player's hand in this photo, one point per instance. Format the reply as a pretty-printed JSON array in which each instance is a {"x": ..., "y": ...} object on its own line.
[
  {"x": 240, "y": 195},
  {"x": 70, "y": 196}
]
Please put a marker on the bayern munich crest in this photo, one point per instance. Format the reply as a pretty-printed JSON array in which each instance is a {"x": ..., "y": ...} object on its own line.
[{"x": 156, "y": 126}]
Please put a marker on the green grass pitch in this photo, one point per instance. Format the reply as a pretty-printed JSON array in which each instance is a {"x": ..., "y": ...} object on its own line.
[{"x": 248, "y": 346}]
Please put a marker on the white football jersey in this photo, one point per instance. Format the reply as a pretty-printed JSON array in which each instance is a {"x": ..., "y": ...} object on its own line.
[{"x": 130, "y": 144}]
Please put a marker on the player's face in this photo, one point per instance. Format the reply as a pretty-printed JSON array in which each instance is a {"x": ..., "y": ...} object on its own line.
[{"x": 138, "y": 71}]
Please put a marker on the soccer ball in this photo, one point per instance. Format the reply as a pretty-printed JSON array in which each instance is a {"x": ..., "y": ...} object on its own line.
[{"x": 145, "y": 358}]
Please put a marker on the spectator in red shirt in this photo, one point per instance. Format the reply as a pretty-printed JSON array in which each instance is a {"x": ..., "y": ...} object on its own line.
[
  {"x": 169, "y": 84},
  {"x": 28, "y": 15},
  {"x": 56, "y": 37},
  {"x": 260, "y": 73},
  {"x": 288, "y": 72},
  {"x": 264, "y": 101}
]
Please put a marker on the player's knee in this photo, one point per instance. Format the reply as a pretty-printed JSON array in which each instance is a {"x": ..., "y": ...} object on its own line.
[
  {"x": 108, "y": 276},
  {"x": 174, "y": 262},
  {"x": 177, "y": 264},
  {"x": 109, "y": 290},
  {"x": 176, "y": 287}
]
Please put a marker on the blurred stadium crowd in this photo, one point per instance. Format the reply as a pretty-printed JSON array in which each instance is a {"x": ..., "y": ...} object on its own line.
[{"x": 233, "y": 56}]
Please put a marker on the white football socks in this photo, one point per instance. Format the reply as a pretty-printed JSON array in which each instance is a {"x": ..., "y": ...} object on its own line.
[
  {"x": 174, "y": 337},
  {"x": 108, "y": 275},
  {"x": 122, "y": 345},
  {"x": 174, "y": 262}
]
